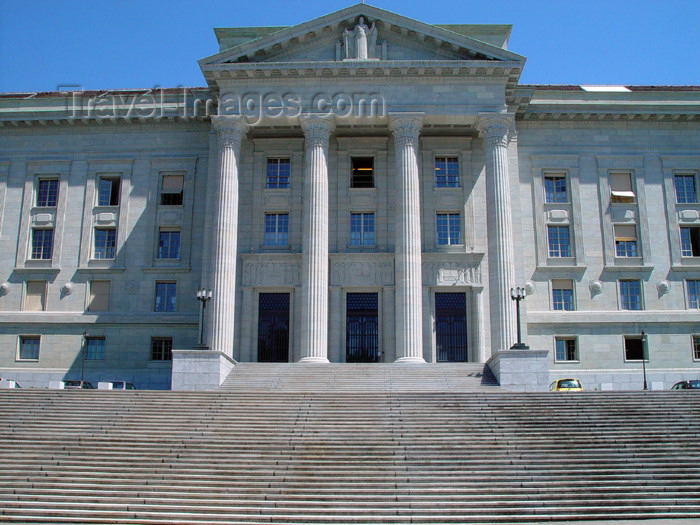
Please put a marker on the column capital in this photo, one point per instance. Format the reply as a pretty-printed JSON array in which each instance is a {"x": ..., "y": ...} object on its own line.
[
  {"x": 317, "y": 129},
  {"x": 495, "y": 127},
  {"x": 230, "y": 129},
  {"x": 405, "y": 127}
]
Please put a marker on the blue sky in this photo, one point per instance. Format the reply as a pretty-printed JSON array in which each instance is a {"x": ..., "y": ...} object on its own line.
[{"x": 130, "y": 44}]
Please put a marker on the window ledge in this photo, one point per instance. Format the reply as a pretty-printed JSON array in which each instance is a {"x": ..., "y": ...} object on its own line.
[
  {"x": 169, "y": 269},
  {"x": 102, "y": 264},
  {"x": 628, "y": 266},
  {"x": 562, "y": 266},
  {"x": 450, "y": 248},
  {"x": 687, "y": 264},
  {"x": 565, "y": 362}
]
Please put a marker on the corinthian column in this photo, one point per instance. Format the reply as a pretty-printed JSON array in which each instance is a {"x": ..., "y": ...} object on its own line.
[
  {"x": 222, "y": 280},
  {"x": 494, "y": 129},
  {"x": 314, "y": 267},
  {"x": 409, "y": 297}
]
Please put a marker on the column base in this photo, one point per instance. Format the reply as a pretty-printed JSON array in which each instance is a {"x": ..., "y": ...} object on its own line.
[
  {"x": 410, "y": 360},
  {"x": 313, "y": 360}
]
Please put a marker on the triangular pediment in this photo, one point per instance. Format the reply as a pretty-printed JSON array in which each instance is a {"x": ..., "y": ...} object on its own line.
[{"x": 359, "y": 33}]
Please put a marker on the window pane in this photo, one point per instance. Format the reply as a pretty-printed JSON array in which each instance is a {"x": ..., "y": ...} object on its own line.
[
  {"x": 362, "y": 172},
  {"x": 634, "y": 349},
  {"x": 631, "y": 295},
  {"x": 29, "y": 347},
  {"x": 172, "y": 190},
  {"x": 562, "y": 294},
  {"x": 685, "y": 189},
  {"x": 448, "y": 228},
  {"x": 47, "y": 193},
  {"x": 693, "y": 287},
  {"x": 362, "y": 229},
  {"x": 555, "y": 188},
  {"x": 161, "y": 349},
  {"x": 446, "y": 172},
  {"x": 42, "y": 244},
  {"x": 696, "y": 347},
  {"x": 278, "y": 172},
  {"x": 169, "y": 244},
  {"x": 565, "y": 349},
  {"x": 690, "y": 241},
  {"x": 276, "y": 229},
  {"x": 108, "y": 191},
  {"x": 559, "y": 242},
  {"x": 165, "y": 297},
  {"x": 94, "y": 348},
  {"x": 105, "y": 243}
]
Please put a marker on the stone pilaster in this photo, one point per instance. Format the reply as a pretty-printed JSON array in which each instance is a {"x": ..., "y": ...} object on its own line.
[
  {"x": 314, "y": 278},
  {"x": 494, "y": 129},
  {"x": 222, "y": 279},
  {"x": 409, "y": 297}
]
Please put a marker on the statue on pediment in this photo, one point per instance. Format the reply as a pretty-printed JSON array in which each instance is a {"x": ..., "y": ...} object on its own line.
[{"x": 361, "y": 42}]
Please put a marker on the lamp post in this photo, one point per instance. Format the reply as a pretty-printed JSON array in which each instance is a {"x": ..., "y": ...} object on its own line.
[
  {"x": 517, "y": 294},
  {"x": 203, "y": 296},
  {"x": 644, "y": 358}
]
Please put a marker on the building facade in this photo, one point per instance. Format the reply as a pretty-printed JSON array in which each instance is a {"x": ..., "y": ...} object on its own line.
[{"x": 362, "y": 187}]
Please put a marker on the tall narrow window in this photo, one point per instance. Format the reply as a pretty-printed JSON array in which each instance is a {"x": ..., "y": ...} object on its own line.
[
  {"x": 565, "y": 349},
  {"x": 621, "y": 190},
  {"x": 625, "y": 240},
  {"x": 94, "y": 348},
  {"x": 559, "y": 241},
  {"x": 29, "y": 347},
  {"x": 99, "y": 296},
  {"x": 690, "y": 241},
  {"x": 362, "y": 172},
  {"x": 161, "y": 348},
  {"x": 168, "y": 244},
  {"x": 278, "y": 172},
  {"x": 686, "y": 191},
  {"x": 42, "y": 243},
  {"x": 171, "y": 191},
  {"x": 108, "y": 191},
  {"x": 634, "y": 348},
  {"x": 562, "y": 294},
  {"x": 446, "y": 172},
  {"x": 166, "y": 295},
  {"x": 276, "y": 229},
  {"x": 693, "y": 288},
  {"x": 105, "y": 243},
  {"x": 555, "y": 188},
  {"x": 630, "y": 294},
  {"x": 362, "y": 229},
  {"x": 696, "y": 347},
  {"x": 448, "y": 228},
  {"x": 47, "y": 193},
  {"x": 35, "y": 296}
]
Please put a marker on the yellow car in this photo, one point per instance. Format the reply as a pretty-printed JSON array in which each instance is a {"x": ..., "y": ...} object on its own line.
[{"x": 566, "y": 385}]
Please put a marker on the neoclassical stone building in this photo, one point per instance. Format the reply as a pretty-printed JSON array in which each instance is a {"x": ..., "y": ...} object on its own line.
[{"x": 362, "y": 187}]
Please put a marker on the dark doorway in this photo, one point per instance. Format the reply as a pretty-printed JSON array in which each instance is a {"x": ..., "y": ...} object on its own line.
[
  {"x": 273, "y": 328},
  {"x": 451, "y": 327},
  {"x": 362, "y": 335}
]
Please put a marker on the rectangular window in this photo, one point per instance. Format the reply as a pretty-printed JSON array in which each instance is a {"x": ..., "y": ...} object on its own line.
[
  {"x": 446, "y": 172},
  {"x": 29, "y": 347},
  {"x": 276, "y": 229},
  {"x": 559, "y": 241},
  {"x": 686, "y": 191},
  {"x": 161, "y": 348},
  {"x": 105, "y": 243},
  {"x": 555, "y": 188},
  {"x": 625, "y": 240},
  {"x": 562, "y": 294},
  {"x": 634, "y": 348},
  {"x": 690, "y": 241},
  {"x": 630, "y": 294},
  {"x": 165, "y": 297},
  {"x": 278, "y": 173},
  {"x": 94, "y": 348},
  {"x": 362, "y": 229},
  {"x": 172, "y": 190},
  {"x": 696, "y": 347},
  {"x": 35, "y": 296},
  {"x": 693, "y": 287},
  {"x": 362, "y": 172},
  {"x": 448, "y": 228},
  {"x": 42, "y": 243},
  {"x": 168, "y": 244},
  {"x": 108, "y": 191},
  {"x": 621, "y": 190},
  {"x": 566, "y": 349},
  {"x": 47, "y": 193},
  {"x": 99, "y": 296}
]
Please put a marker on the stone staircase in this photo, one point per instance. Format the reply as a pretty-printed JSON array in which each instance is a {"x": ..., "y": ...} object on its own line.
[{"x": 284, "y": 453}]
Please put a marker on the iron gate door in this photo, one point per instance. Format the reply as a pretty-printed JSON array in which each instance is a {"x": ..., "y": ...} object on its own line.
[
  {"x": 451, "y": 326},
  {"x": 273, "y": 328},
  {"x": 362, "y": 334}
]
